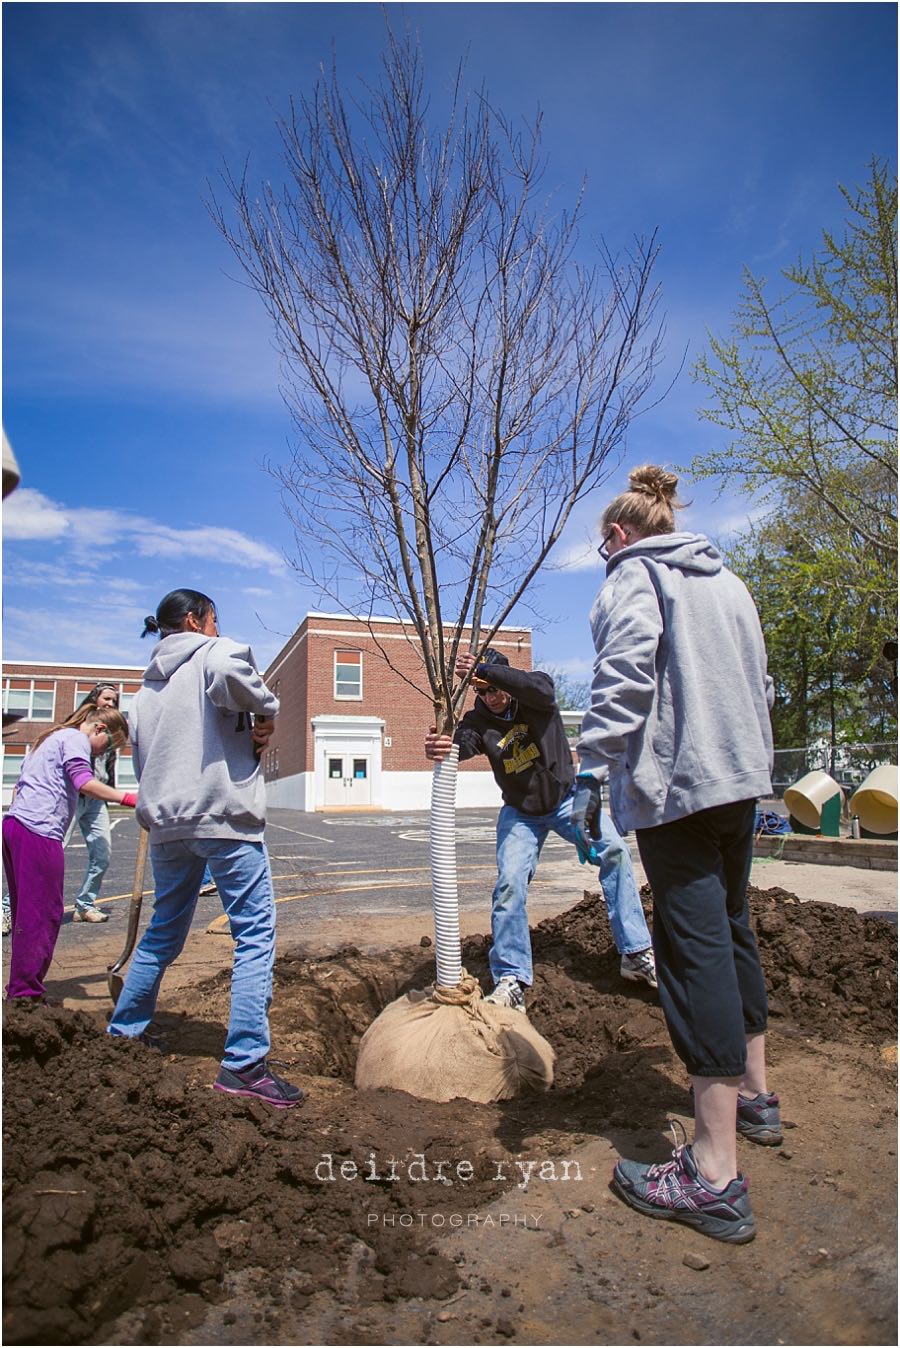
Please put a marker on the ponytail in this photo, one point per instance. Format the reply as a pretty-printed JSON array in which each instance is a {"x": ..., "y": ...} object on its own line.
[{"x": 172, "y": 612}]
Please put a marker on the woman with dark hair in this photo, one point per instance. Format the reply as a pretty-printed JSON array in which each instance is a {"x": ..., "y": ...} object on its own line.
[
  {"x": 679, "y": 723},
  {"x": 55, "y": 773},
  {"x": 197, "y": 728},
  {"x": 92, "y": 814}
]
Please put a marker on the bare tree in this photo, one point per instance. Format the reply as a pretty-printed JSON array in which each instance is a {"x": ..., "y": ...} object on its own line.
[{"x": 458, "y": 380}]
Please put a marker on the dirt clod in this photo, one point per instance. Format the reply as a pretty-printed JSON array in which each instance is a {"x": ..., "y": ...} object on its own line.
[{"x": 695, "y": 1261}]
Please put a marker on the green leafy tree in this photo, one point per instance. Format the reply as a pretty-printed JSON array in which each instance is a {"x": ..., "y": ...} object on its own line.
[
  {"x": 825, "y": 642},
  {"x": 806, "y": 384}
]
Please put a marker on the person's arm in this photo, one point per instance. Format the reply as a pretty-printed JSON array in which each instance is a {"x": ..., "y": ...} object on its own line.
[
  {"x": 113, "y": 794},
  {"x": 627, "y": 628},
  {"x": 78, "y": 771},
  {"x": 233, "y": 683},
  {"x": 533, "y": 688},
  {"x": 437, "y": 747}
]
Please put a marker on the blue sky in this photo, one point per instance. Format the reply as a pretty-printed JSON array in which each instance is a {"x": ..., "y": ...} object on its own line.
[{"x": 140, "y": 382}]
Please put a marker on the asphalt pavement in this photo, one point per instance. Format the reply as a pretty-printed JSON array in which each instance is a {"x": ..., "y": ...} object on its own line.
[{"x": 350, "y": 866}]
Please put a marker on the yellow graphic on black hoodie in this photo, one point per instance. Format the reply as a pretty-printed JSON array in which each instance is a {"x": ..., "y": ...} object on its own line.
[{"x": 522, "y": 755}]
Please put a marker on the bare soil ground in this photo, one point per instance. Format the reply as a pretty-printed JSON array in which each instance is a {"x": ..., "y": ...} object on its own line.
[{"x": 141, "y": 1207}]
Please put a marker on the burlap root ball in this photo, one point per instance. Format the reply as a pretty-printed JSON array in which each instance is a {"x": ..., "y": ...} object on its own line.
[{"x": 437, "y": 1050}]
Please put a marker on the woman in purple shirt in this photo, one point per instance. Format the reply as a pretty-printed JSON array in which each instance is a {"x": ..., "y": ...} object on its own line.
[{"x": 54, "y": 774}]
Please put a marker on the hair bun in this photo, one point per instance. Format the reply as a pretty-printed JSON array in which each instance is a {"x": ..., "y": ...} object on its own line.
[
  {"x": 651, "y": 480},
  {"x": 150, "y": 625}
]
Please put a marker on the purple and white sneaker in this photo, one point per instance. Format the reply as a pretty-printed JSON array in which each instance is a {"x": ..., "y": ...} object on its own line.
[
  {"x": 675, "y": 1191},
  {"x": 759, "y": 1119},
  {"x": 259, "y": 1082}
]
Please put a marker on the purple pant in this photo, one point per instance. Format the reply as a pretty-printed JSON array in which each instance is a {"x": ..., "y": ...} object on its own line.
[{"x": 35, "y": 867}]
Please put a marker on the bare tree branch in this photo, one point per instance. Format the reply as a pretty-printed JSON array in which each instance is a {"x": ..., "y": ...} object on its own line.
[{"x": 458, "y": 381}]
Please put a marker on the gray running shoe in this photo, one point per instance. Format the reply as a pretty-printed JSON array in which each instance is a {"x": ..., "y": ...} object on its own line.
[
  {"x": 639, "y": 966},
  {"x": 259, "y": 1082},
  {"x": 675, "y": 1191},
  {"x": 508, "y": 992},
  {"x": 759, "y": 1119}
]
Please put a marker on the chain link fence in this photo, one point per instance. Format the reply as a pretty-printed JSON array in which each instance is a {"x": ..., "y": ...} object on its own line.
[{"x": 848, "y": 764}]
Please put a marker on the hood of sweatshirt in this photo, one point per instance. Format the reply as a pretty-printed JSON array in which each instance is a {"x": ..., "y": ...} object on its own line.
[
  {"x": 687, "y": 552},
  {"x": 171, "y": 653}
]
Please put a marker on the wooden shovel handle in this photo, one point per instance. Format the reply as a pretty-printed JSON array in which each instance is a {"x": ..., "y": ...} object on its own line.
[{"x": 134, "y": 911}]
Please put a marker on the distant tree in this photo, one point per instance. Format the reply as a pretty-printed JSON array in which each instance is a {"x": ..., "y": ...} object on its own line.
[
  {"x": 825, "y": 642},
  {"x": 807, "y": 384},
  {"x": 457, "y": 380},
  {"x": 571, "y": 694}
]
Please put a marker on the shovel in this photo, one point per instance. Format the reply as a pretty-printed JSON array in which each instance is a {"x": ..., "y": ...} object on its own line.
[{"x": 114, "y": 977}]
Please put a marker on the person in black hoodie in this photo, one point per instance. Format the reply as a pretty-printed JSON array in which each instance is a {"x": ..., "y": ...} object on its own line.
[{"x": 516, "y": 723}]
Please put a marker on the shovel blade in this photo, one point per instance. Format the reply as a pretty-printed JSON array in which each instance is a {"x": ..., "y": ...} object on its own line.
[{"x": 115, "y": 983}]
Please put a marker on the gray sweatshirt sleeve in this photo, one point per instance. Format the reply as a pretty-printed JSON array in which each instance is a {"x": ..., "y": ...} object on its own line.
[
  {"x": 233, "y": 682},
  {"x": 626, "y": 624}
]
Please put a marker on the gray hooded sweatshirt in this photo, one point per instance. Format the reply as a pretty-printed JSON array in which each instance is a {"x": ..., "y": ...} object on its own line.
[
  {"x": 679, "y": 717},
  {"x": 191, "y": 734}
]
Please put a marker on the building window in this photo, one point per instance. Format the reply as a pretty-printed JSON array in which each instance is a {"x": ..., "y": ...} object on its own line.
[
  {"x": 35, "y": 697},
  {"x": 12, "y": 765},
  {"x": 348, "y": 675}
]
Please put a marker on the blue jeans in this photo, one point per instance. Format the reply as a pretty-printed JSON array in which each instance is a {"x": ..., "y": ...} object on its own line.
[
  {"x": 244, "y": 881},
  {"x": 93, "y": 820},
  {"x": 520, "y": 838}
]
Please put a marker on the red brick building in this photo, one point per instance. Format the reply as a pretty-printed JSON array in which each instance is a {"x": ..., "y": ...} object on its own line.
[
  {"x": 47, "y": 693},
  {"x": 355, "y": 707}
]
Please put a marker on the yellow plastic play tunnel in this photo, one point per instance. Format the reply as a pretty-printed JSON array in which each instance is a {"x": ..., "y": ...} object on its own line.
[
  {"x": 806, "y": 798},
  {"x": 875, "y": 803}
]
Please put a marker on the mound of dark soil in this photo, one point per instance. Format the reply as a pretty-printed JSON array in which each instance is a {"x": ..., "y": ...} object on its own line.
[
  {"x": 829, "y": 970},
  {"x": 129, "y": 1183}
]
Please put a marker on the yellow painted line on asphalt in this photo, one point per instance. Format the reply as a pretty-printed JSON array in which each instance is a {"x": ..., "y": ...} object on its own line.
[
  {"x": 219, "y": 924},
  {"x": 377, "y": 870},
  {"x": 381, "y": 870}
]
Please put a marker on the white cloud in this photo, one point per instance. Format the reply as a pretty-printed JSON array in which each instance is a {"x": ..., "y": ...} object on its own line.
[
  {"x": 91, "y": 531},
  {"x": 28, "y": 629},
  {"x": 211, "y": 542},
  {"x": 30, "y": 514}
]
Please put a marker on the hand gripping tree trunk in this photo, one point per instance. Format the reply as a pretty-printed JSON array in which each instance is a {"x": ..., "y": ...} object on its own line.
[{"x": 460, "y": 374}]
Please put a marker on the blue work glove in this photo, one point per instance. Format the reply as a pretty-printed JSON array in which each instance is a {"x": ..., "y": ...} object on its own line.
[{"x": 586, "y": 819}]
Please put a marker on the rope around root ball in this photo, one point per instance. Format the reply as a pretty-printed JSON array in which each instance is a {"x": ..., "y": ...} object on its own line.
[{"x": 465, "y": 994}]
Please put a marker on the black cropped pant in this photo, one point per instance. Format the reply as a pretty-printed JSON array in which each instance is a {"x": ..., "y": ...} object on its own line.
[{"x": 711, "y": 984}]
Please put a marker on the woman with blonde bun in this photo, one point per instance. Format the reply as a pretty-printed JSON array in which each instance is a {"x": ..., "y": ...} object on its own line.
[{"x": 679, "y": 725}]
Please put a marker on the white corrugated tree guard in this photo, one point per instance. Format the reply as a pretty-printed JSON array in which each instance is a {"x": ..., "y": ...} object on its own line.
[{"x": 459, "y": 380}]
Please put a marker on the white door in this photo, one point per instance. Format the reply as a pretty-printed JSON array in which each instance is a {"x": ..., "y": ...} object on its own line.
[{"x": 347, "y": 779}]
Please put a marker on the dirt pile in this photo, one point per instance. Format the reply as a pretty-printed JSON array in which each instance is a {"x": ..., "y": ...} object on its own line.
[{"x": 129, "y": 1183}]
